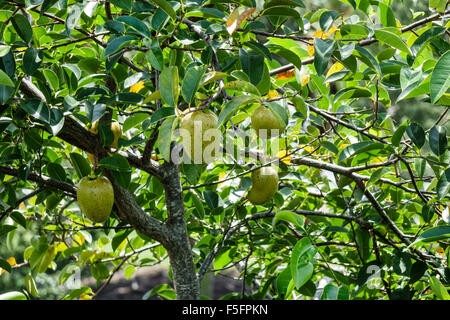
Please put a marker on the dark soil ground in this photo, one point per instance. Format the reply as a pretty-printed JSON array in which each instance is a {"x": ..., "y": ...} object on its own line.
[{"x": 146, "y": 279}]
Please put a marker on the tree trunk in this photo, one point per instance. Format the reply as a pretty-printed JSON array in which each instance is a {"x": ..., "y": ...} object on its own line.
[{"x": 179, "y": 249}]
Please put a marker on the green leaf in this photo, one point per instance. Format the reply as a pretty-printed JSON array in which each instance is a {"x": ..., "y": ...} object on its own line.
[
  {"x": 222, "y": 259},
  {"x": 231, "y": 107},
  {"x": 164, "y": 5},
  {"x": 74, "y": 16},
  {"x": 326, "y": 19},
  {"x": 22, "y": 27},
  {"x": 13, "y": 295},
  {"x": 134, "y": 120},
  {"x": 350, "y": 93},
  {"x": 303, "y": 273},
  {"x": 37, "y": 109},
  {"x": 427, "y": 213},
  {"x": 161, "y": 113},
  {"x": 354, "y": 30},
  {"x": 119, "y": 237},
  {"x": 330, "y": 292},
  {"x": 281, "y": 11},
  {"x": 155, "y": 55},
  {"x": 422, "y": 41},
  {"x": 386, "y": 15},
  {"x": 165, "y": 137},
  {"x": 274, "y": 3},
  {"x": 129, "y": 271},
  {"x": 252, "y": 64},
  {"x": 123, "y": 4},
  {"x": 358, "y": 148},
  {"x": 286, "y": 54},
  {"x": 323, "y": 49},
  {"x": 136, "y": 24},
  {"x": 398, "y": 134},
  {"x": 438, "y": 288},
  {"x": 99, "y": 271},
  {"x": 289, "y": 216},
  {"x": 169, "y": 87},
  {"x": 80, "y": 164},
  {"x": 56, "y": 171},
  {"x": 116, "y": 162},
  {"x": 198, "y": 206},
  {"x": 391, "y": 39},
  {"x": 5, "y": 80},
  {"x": 260, "y": 48},
  {"x": 443, "y": 185},
  {"x": 5, "y": 265},
  {"x": 377, "y": 175},
  {"x": 283, "y": 280},
  {"x": 440, "y": 5},
  {"x": 5, "y": 229},
  {"x": 364, "y": 242},
  {"x": 56, "y": 122},
  {"x": 242, "y": 86},
  {"x": 440, "y": 80},
  {"x": 191, "y": 82},
  {"x": 438, "y": 140},
  {"x": 416, "y": 134},
  {"x": 366, "y": 57},
  {"x": 433, "y": 234},
  {"x": 32, "y": 60},
  {"x": 279, "y": 112},
  {"x": 118, "y": 43}
]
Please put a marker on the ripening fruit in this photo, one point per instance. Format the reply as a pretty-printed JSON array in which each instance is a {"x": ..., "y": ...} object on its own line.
[
  {"x": 200, "y": 136},
  {"x": 265, "y": 123},
  {"x": 95, "y": 198},
  {"x": 264, "y": 185},
  {"x": 115, "y": 128}
]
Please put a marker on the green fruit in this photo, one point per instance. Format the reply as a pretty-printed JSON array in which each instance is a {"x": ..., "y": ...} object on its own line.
[
  {"x": 96, "y": 198},
  {"x": 264, "y": 185},
  {"x": 200, "y": 136},
  {"x": 265, "y": 123}
]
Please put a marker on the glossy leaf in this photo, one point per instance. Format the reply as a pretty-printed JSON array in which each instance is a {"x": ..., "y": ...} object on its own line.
[
  {"x": 323, "y": 49},
  {"x": 5, "y": 80},
  {"x": 169, "y": 85},
  {"x": 391, "y": 39},
  {"x": 438, "y": 140},
  {"x": 191, "y": 82},
  {"x": 443, "y": 185},
  {"x": 416, "y": 134},
  {"x": 22, "y": 27},
  {"x": 440, "y": 81},
  {"x": 232, "y": 107}
]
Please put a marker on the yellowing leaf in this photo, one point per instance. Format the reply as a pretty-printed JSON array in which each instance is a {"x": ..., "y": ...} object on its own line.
[
  {"x": 310, "y": 50},
  {"x": 11, "y": 261},
  {"x": 319, "y": 34},
  {"x": 237, "y": 17},
  {"x": 335, "y": 68},
  {"x": 222, "y": 176},
  {"x": 303, "y": 76},
  {"x": 137, "y": 87},
  {"x": 273, "y": 94},
  {"x": 282, "y": 155},
  {"x": 286, "y": 75}
]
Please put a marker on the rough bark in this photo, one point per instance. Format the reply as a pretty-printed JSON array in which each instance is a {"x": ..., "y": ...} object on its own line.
[{"x": 185, "y": 280}]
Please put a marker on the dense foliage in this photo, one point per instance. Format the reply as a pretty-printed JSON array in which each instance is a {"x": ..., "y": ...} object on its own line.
[{"x": 361, "y": 210}]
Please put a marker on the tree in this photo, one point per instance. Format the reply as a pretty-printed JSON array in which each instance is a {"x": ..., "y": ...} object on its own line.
[{"x": 362, "y": 201}]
